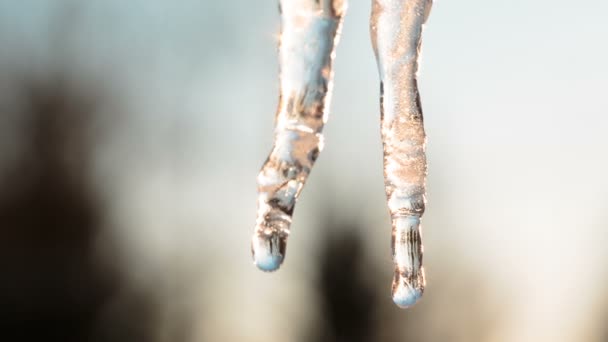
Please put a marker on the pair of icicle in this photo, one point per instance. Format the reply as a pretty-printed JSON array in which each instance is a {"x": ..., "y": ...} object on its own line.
[{"x": 310, "y": 30}]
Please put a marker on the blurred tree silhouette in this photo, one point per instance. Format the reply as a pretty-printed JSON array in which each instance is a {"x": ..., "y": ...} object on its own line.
[
  {"x": 346, "y": 300},
  {"x": 53, "y": 287}
]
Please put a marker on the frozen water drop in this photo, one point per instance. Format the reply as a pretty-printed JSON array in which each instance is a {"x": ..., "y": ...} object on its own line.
[
  {"x": 268, "y": 250},
  {"x": 404, "y": 294},
  {"x": 309, "y": 34},
  {"x": 408, "y": 282}
]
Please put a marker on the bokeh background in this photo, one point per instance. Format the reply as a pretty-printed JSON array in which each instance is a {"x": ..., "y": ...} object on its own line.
[{"x": 131, "y": 133}]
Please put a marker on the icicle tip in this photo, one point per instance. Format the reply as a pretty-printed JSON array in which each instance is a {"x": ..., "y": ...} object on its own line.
[
  {"x": 404, "y": 294},
  {"x": 268, "y": 250}
]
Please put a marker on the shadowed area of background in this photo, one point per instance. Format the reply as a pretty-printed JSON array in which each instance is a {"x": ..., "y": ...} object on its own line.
[{"x": 54, "y": 284}]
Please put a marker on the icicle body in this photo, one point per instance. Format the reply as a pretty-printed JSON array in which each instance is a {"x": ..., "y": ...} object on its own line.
[
  {"x": 309, "y": 33},
  {"x": 396, "y": 28}
]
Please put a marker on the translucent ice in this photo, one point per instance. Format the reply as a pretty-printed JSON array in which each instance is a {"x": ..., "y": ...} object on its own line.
[
  {"x": 309, "y": 33},
  {"x": 396, "y": 28}
]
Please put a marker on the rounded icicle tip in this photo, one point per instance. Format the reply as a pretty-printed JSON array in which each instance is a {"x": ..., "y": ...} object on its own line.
[
  {"x": 404, "y": 293},
  {"x": 268, "y": 250}
]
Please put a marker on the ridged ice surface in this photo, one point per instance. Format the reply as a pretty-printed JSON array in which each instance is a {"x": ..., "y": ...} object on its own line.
[
  {"x": 396, "y": 28},
  {"x": 309, "y": 34}
]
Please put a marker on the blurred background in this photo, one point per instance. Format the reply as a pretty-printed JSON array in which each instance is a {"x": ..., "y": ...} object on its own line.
[{"x": 131, "y": 133}]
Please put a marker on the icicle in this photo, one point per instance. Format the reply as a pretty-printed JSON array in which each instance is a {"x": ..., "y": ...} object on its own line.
[
  {"x": 309, "y": 33},
  {"x": 396, "y": 28}
]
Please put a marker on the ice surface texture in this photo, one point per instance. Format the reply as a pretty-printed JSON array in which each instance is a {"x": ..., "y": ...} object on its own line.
[
  {"x": 396, "y": 28},
  {"x": 309, "y": 34}
]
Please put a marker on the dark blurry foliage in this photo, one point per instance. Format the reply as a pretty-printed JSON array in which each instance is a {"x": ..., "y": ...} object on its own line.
[
  {"x": 53, "y": 287},
  {"x": 346, "y": 300}
]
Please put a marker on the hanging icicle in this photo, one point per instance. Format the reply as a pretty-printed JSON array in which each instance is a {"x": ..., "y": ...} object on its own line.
[
  {"x": 309, "y": 33},
  {"x": 396, "y": 28}
]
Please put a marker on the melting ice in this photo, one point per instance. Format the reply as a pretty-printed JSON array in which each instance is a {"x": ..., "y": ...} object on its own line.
[
  {"x": 396, "y": 29},
  {"x": 309, "y": 34}
]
